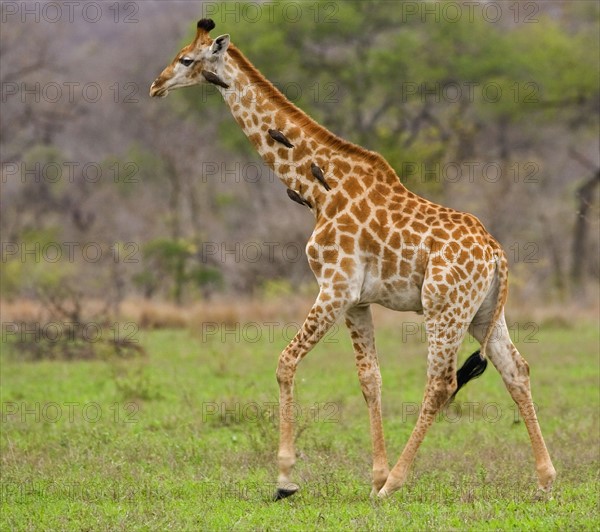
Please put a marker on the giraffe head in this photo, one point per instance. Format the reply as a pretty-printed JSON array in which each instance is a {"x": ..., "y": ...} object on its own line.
[{"x": 203, "y": 54}]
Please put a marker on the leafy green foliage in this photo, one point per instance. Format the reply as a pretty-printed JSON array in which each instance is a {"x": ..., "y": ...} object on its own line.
[
  {"x": 174, "y": 260},
  {"x": 35, "y": 264}
]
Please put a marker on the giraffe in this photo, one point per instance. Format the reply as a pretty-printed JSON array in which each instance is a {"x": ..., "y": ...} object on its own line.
[{"x": 374, "y": 242}]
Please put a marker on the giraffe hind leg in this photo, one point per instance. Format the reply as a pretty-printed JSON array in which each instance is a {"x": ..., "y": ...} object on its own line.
[
  {"x": 443, "y": 344},
  {"x": 514, "y": 371}
]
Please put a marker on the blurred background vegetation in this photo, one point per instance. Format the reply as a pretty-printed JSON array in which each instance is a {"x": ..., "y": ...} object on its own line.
[{"x": 491, "y": 109}]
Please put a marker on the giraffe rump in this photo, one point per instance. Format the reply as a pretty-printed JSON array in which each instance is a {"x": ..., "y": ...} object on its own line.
[{"x": 473, "y": 367}]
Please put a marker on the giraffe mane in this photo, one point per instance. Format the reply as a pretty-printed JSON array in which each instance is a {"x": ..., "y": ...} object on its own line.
[{"x": 299, "y": 117}]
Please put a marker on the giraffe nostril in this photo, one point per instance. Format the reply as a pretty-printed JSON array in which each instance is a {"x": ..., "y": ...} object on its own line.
[{"x": 156, "y": 89}]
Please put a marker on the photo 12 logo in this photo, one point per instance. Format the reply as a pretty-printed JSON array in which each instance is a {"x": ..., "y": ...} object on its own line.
[
  {"x": 69, "y": 12},
  {"x": 69, "y": 252},
  {"x": 254, "y": 412},
  {"x": 70, "y": 92},
  {"x": 69, "y": 412},
  {"x": 70, "y": 172},
  {"x": 69, "y": 331},
  {"x": 454, "y": 12},
  {"x": 287, "y": 12},
  {"x": 254, "y": 332}
]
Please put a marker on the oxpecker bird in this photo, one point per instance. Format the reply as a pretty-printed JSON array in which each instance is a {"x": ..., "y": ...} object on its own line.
[
  {"x": 280, "y": 137},
  {"x": 294, "y": 196},
  {"x": 211, "y": 77},
  {"x": 318, "y": 174}
]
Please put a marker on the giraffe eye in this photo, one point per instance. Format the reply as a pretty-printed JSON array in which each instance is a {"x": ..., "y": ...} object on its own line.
[{"x": 186, "y": 61}]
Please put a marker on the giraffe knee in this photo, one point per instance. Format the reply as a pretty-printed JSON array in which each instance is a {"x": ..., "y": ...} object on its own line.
[
  {"x": 438, "y": 393},
  {"x": 523, "y": 367},
  {"x": 371, "y": 390},
  {"x": 517, "y": 377},
  {"x": 448, "y": 389},
  {"x": 370, "y": 384},
  {"x": 445, "y": 386},
  {"x": 519, "y": 370},
  {"x": 285, "y": 370}
]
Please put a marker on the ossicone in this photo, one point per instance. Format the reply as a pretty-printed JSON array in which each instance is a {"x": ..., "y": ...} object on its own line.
[{"x": 206, "y": 24}]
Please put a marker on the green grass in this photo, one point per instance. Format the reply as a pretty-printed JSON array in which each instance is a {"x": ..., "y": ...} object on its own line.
[{"x": 184, "y": 439}]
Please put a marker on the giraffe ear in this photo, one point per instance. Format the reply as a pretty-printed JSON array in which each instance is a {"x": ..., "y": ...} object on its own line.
[{"x": 219, "y": 45}]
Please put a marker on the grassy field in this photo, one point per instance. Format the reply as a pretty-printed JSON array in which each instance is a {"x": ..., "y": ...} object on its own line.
[{"x": 186, "y": 437}]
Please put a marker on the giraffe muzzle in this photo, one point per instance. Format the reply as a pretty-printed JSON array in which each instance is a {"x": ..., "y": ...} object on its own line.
[{"x": 157, "y": 91}]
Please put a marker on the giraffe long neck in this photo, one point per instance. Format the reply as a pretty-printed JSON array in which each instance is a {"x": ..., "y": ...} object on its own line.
[{"x": 305, "y": 156}]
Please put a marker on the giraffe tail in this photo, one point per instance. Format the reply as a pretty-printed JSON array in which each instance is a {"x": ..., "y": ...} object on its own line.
[
  {"x": 501, "y": 296},
  {"x": 473, "y": 367}
]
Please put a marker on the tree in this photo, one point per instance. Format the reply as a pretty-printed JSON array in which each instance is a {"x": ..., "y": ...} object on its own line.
[{"x": 173, "y": 261}]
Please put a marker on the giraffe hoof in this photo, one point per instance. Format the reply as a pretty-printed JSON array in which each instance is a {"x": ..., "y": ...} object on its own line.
[
  {"x": 383, "y": 494},
  {"x": 542, "y": 495},
  {"x": 285, "y": 492},
  {"x": 375, "y": 490},
  {"x": 546, "y": 479},
  {"x": 376, "y": 496}
]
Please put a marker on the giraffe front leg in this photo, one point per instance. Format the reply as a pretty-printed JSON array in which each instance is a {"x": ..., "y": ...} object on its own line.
[
  {"x": 286, "y": 456},
  {"x": 360, "y": 324},
  {"x": 321, "y": 317}
]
